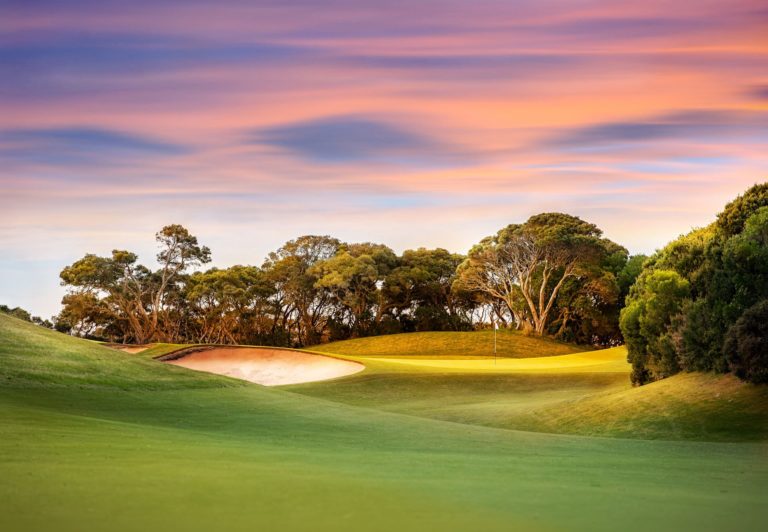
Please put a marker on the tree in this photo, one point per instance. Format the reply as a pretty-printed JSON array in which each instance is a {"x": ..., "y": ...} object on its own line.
[
  {"x": 629, "y": 273},
  {"x": 120, "y": 284},
  {"x": 228, "y": 305},
  {"x": 746, "y": 344},
  {"x": 526, "y": 266},
  {"x": 132, "y": 294},
  {"x": 488, "y": 276},
  {"x": 301, "y": 309},
  {"x": 354, "y": 276},
  {"x": 734, "y": 216},
  {"x": 179, "y": 250},
  {"x": 84, "y": 313},
  {"x": 16, "y": 312},
  {"x": 554, "y": 274},
  {"x": 587, "y": 309},
  {"x": 419, "y": 290},
  {"x": 725, "y": 268},
  {"x": 654, "y": 301}
]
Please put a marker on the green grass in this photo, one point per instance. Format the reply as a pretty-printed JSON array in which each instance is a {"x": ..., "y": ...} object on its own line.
[
  {"x": 33, "y": 356},
  {"x": 687, "y": 406},
  {"x": 512, "y": 344},
  {"x": 586, "y": 393},
  {"x": 160, "y": 349},
  {"x": 91, "y": 438}
]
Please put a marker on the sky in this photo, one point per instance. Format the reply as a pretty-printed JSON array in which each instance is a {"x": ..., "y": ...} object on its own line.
[{"x": 413, "y": 123}]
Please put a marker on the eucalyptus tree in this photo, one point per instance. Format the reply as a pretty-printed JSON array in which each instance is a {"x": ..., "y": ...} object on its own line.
[
  {"x": 179, "y": 251},
  {"x": 301, "y": 308},
  {"x": 229, "y": 305},
  {"x": 354, "y": 276},
  {"x": 526, "y": 266},
  {"x": 419, "y": 289},
  {"x": 131, "y": 293}
]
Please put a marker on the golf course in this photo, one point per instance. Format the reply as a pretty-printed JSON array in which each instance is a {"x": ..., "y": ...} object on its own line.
[
  {"x": 96, "y": 438},
  {"x": 386, "y": 266}
]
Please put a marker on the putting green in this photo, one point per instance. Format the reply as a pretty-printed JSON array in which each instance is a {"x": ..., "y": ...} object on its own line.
[{"x": 607, "y": 360}]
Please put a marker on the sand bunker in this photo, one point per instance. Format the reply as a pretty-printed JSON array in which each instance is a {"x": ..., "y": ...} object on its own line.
[{"x": 270, "y": 367}]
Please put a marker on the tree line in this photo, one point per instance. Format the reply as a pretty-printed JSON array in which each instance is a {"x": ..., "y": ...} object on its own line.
[
  {"x": 553, "y": 275},
  {"x": 701, "y": 303},
  {"x": 22, "y": 314}
]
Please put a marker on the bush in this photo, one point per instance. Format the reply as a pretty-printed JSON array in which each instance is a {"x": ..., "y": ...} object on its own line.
[
  {"x": 695, "y": 305},
  {"x": 746, "y": 344}
]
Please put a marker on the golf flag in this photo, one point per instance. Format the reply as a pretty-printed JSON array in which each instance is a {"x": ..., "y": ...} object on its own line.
[{"x": 496, "y": 326}]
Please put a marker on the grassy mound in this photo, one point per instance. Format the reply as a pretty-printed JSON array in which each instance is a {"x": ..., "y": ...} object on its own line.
[
  {"x": 512, "y": 344},
  {"x": 686, "y": 406},
  {"x": 34, "y": 356}
]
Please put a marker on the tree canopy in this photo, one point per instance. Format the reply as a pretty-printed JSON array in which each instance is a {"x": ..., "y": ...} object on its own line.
[
  {"x": 553, "y": 270},
  {"x": 554, "y": 274},
  {"x": 696, "y": 303}
]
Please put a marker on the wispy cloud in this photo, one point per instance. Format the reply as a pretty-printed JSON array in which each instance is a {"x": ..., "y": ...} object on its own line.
[
  {"x": 725, "y": 125},
  {"x": 367, "y": 119},
  {"x": 759, "y": 92},
  {"x": 79, "y": 145},
  {"x": 350, "y": 139}
]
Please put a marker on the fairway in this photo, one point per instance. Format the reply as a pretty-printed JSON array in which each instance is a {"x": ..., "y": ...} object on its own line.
[
  {"x": 384, "y": 266},
  {"x": 93, "y": 438}
]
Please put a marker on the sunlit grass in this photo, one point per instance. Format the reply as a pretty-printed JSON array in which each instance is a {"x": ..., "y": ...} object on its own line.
[{"x": 444, "y": 345}]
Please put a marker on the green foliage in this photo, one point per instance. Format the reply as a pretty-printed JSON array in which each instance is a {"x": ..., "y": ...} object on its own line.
[
  {"x": 22, "y": 314},
  {"x": 124, "y": 300},
  {"x": 655, "y": 299},
  {"x": 352, "y": 276},
  {"x": 733, "y": 218},
  {"x": 725, "y": 268},
  {"x": 311, "y": 289},
  {"x": 745, "y": 258},
  {"x": 420, "y": 295},
  {"x": 553, "y": 274},
  {"x": 16, "y": 312},
  {"x": 229, "y": 306},
  {"x": 179, "y": 249},
  {"x": 746, "y": 345},
  {"x": 629, "y": 273},
  {"x": 301, "y": 312}
]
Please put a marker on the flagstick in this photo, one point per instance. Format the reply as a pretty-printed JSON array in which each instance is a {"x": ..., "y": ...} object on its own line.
[{"x": 495, "y": 328}]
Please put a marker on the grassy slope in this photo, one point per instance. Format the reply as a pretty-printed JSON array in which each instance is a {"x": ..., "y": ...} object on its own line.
[
  {"x": 511, "y": 344},
  {"x": 60, "y": 360},
  {"x": 587, "y": 393},
  {"x": 687, "y": 406},
  {"x": 185, "y": 450}
]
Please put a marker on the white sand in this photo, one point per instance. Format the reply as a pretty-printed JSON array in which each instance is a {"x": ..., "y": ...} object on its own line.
[{"x": 270, "y": 367}]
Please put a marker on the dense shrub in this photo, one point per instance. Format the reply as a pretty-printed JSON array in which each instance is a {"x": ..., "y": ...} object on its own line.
[
  {"x": 680, "y": 313},
  {"x": 747, "y": 344}
]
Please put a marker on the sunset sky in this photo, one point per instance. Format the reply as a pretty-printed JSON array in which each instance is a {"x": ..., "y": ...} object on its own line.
[{"x": 411, "y": 123}]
